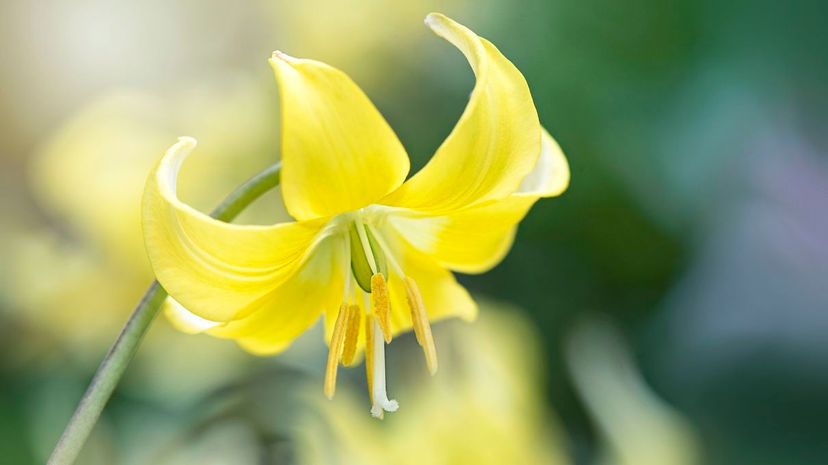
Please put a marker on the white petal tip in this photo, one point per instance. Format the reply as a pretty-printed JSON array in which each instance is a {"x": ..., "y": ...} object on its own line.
[
  {"x": 279, "y": 55},
  {"x": 434, "y": 19},
  {"x": 184, "y": 320},
  {"x": 186, "y": 141}
]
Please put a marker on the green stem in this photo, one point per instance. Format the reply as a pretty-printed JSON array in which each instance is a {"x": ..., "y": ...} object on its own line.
[{"x": 120, "y": 354}]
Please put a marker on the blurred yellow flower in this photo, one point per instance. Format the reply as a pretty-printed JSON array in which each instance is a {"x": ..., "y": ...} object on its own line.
[
  {"x": 72, "y": 282},
  {"x": 638, "y": 428},
  {"x": 91, "y": 171},
  {"x": 489, "y": 407},
  {"x": 369, "y": 248}
]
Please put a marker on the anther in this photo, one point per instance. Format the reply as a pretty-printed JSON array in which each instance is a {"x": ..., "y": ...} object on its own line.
[
  {"x": 351, "y": 334},
  {"x": 422, "y": 328},
  {"x": 335, "y": 350},
  {"x": 380, "y": 304}
]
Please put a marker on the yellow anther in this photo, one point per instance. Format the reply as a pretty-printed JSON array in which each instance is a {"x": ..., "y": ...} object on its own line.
[
  {"x": 422, "y": 328},
  {"x": 382, "y": 308},
  {"x": 369, "y": 354},
  {"x": 335, "y": 350},
  {"x": 351, "y": 334}
]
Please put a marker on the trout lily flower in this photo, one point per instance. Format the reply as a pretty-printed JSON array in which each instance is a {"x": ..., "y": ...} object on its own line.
[{"x": 370, "y": 250}]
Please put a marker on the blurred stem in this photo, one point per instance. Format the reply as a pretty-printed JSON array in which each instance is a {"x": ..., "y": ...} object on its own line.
[{"x": 120, "y": 354}]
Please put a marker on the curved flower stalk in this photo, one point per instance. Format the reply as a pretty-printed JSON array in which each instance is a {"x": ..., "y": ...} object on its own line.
[
  {"x": 123, "y": 349},
  {"x": 369, "y": 249}
]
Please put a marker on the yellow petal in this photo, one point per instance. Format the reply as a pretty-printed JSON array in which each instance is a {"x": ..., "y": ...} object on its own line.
[
  {"x": 494, "y": 145},
  {"x": 475, "y": 239},
  {"x": 218, "y": 271},
  {"x": 471, "y": 240},
  {"x": 550, "y": 176},
  {"x": 338, "y": 152},
  {"x": 294, "y": 306},
  {"x": 442, "y": 295}
]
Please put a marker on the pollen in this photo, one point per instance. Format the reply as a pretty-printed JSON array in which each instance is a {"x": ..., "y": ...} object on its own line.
[
  {"x": 351, "y": 335},
  {"x": 335, "y": 350},
  {"x": 381, "y": 305},
  {"x": 422, "y": 328}
]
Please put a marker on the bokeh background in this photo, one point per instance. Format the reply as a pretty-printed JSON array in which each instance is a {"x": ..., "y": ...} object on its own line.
[{"x": 670, "y": 308}]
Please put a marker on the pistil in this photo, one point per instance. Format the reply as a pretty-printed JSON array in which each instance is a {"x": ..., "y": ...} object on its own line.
[{"x": 379, "y": 397}]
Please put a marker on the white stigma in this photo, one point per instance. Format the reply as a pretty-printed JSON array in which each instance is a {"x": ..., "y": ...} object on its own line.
[{"x": 379, "y": 399}]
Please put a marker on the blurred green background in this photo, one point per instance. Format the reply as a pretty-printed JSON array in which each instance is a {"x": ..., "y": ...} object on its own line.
[{"x": 676, "y": 294}]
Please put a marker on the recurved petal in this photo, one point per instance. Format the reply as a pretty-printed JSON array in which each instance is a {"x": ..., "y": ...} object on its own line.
[
  {"x": 289, "y": 310},
  {"x": 550, "y": 175},
  {"x": 338, "y": 152},
  {"x": 494, "y": 145},
  {"x": 475, "y": 239},
  {"x": 470, "y": 240},
  {"x": 216, "y": 270}
]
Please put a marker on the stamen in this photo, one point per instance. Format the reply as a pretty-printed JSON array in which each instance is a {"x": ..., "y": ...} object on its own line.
[
  {"x": 422, "y": 328},
  {"x": 351, "y": 334},
  {"x": 380, "y": 304},
  {"x": 379, "y": 397},
  {"x": 335, "y": 350},
  {"x": 369, "y": 354}
]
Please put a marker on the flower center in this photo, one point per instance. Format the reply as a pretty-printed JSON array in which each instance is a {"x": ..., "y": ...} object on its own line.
[
  {"x": 367, "y": 297},
  {"x": 367, "y": 256}
]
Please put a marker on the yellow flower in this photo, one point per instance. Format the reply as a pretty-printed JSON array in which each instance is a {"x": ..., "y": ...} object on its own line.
[{"x": 370, "y": 249}]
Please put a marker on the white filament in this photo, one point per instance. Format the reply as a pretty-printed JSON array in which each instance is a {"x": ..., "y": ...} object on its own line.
[
  {"x": 366, "y": 247},
  {"x": 379, "y": 399},
  {"x": 390, "y": 256}
]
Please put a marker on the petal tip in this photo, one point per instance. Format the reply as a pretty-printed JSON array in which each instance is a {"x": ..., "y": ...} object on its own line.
[
  {"x": 184, "y": 320},
  {"x": 434, "y": 17},
  {"x": 280, "y": 56},
  {"x": 186, "y": 142},
  {"x": 436, "y": 20}
]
